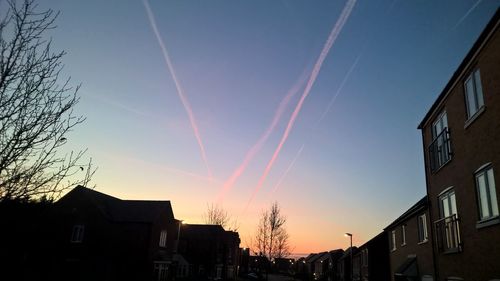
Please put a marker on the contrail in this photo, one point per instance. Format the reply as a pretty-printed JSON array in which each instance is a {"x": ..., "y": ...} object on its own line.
[
  {"x": 130, "y": 159},
  {"x": 288, "y": 169},
  {"x": 258, "y": 145},
  {"x": 119, "y": 105},
  {"x": 180, "y": 92},
  {"x": 312, "y": 78},
  {"x": 467, "y": 14},
  {"x": 346, "y": 77}
]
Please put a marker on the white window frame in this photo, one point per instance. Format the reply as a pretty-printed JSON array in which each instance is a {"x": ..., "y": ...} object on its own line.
[
  {"x": 474, "y": 99},
  {"x": 403, "y": 234},
  {"x": 423, "y": 235},
  {"x": 442, "y": 121},
  {"x": 393, "y": 240},
  {"x": 77, "y": 233},
  {"x": 163, "y": 238},
  {"x": 448, "y": 197},
  {"x": 161, "y": 271},
  {"x": 486, "y": 202},
  {"x": 364, "y": 257}
]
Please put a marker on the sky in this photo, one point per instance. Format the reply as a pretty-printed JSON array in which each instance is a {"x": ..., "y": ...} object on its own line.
[{"x": 313, "y": 104}]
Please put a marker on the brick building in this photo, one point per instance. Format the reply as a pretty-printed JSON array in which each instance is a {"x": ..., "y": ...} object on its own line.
[
  {"x": 461, "y": 134},
  {"x": 409, "y": 248}
]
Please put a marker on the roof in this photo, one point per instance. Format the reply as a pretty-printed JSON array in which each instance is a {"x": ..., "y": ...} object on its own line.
[
  {"x": 374, "y": 239},
  {"x": 119, "y": 210},
  {"x": 418, "y": 207},
  {"x": 324, "y": 256},
  {"x": 492, "y": 26},
  {"x": 201, "y": 230},
  {"x": 347, "y": 253}
]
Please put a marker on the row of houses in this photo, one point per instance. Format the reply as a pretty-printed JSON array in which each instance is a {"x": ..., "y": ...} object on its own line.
[
  {"x": 88, "y": 235},
  {"x": 452, "y": 233}
]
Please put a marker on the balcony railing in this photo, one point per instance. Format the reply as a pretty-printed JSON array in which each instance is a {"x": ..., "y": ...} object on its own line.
[
  {"x": 448, "y": 234},
  {"x": 440, "y": 150}
]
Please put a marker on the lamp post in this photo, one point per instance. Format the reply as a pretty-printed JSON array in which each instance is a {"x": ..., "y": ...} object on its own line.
[{"x": 350, "y": 236}]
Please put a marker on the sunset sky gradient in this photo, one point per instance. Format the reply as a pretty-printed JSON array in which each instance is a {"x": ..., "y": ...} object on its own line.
[{"x": 200, "y": 102}]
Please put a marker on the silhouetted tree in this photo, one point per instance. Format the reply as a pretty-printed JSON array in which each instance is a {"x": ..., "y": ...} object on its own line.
[
  {"x": 271, "y": 238},
  {"x": 36, "y": 109},
  {"x": 218, "y": 216}
]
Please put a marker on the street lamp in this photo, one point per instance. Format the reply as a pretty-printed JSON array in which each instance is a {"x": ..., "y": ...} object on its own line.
[{"x": 350, "y": 236}]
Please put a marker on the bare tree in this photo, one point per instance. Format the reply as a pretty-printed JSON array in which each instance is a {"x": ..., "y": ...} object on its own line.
[
  {"x": 218, "y": 216},
  {"x": 271, "y": 238},
  {"x": 36, "y": 109}
]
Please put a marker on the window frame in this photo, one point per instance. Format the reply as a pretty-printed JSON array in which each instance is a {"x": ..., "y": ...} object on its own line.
[
  {"x": 490, "y": 189},
  {"x": 403, "y": 234},
  {"x": 475, "y": 78},
  {"x": 423, "y": 234},
  {"x": 77, "y": 233},
  {"x": 163, "y": 238},
  {"x": 447, "y": 193},
  {"x": 439, "y": 149},
  {"x": 393, "y": 241}
]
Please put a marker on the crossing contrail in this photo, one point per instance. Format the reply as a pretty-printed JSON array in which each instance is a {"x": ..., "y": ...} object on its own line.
[
  {"x": 346, "y": 77},
  {"x": 180, "y": 92},
  {"x": 312, "y": 78},
  {"x": 288, "y": 169},
  {"x": 258, "y": 145},
  {"x": 467, "y": 14}
]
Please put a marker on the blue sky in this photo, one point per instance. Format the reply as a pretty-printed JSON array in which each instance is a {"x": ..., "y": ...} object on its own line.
[{"x": 359, "y": 167}]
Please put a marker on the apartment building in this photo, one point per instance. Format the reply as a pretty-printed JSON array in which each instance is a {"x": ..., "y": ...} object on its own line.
[{"x": 461, "y": 140}]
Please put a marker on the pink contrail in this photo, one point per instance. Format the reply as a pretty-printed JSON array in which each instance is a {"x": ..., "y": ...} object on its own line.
[
  {"x": 312, "y": 78},
  {"x": 287, "y": 169},
  {"x": 180, "y": 92},
  {"x": 346, "y": 77},
  {"x": 258, "y": 145}
]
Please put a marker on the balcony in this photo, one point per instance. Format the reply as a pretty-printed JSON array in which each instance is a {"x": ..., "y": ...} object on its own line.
[
  {"x": 448, "y": 234},
  {"x": 440, "y": 150}
]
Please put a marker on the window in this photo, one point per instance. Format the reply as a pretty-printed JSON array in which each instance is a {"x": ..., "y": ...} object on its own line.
[
  {"x": 422, "y": 228},
  {"x": 163, "y": 238},
  {"x": 77, "y": 233},
  {"x": 473, "y": 93},
  {"x": 447, "y": 204},
  {"x": 364, "y": 257},
  {"x": 403, "y": 234},
  {"x": 448, "y": 227},
  {"x": 160, "y": 271},
  {"x": 393, "y": 240},
  {"x": 486, "y": 194},
  {"x": 440, "y": 149}
]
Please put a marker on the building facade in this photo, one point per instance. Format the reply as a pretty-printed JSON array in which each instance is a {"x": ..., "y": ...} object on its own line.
[
  {"x": 461, "y": 141},
  {"x": 372, "y": 260},
  {"x": 409, "y": 246}
]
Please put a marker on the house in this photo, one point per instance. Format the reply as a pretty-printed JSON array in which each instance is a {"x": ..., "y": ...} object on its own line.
[
  {"x": 345, "y": 266},
  {"x": 321, "y": 266},
  {"x": 211, "y": 251},
  {"x": 311, "y": 264},
  {"x": 283, "y": 265},
  {"x": 334, "y": 256},
  {"x": 372, "y": 259},
  {"x": 408, "y": 244},
  {"x": 461, "y": 133},
  {"x": 93, "y": 236}
]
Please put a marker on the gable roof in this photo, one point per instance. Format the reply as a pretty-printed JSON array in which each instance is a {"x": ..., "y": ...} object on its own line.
[
  {"x": 119, "y": 210},
  {"x": 418, "y": 207},
  {"x": 491, "y": 27},
  {"x": 201, "y": 231}
]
